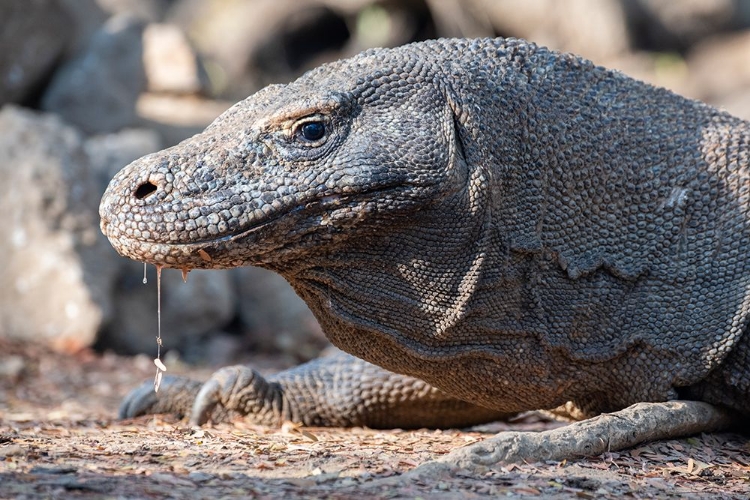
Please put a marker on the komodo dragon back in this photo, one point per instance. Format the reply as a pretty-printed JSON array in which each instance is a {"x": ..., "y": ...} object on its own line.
[{"x": 515, "y": 226}]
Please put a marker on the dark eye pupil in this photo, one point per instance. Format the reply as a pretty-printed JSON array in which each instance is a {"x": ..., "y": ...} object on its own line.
[{"x": 313, "y": 131}]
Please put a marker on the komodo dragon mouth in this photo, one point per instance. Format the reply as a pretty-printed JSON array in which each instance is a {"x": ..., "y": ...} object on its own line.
[{"x": 278, "y": 229}]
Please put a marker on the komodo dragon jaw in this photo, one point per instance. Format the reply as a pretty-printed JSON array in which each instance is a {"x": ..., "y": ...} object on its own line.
[{"x": 289, "y": 168}]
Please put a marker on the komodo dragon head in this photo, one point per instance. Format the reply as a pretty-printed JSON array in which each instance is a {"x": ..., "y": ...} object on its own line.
[{"x": 294, "y": 171}]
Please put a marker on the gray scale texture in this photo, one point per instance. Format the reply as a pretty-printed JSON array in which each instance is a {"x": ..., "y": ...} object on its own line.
[
  {"x": 333, "y": 390},
  {"x": 517, "y": 227}
]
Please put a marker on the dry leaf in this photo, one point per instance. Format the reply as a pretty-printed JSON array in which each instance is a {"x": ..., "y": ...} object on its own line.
[
  {"x": 309, "y": 435},
  {"x": 157, "y": 380}
]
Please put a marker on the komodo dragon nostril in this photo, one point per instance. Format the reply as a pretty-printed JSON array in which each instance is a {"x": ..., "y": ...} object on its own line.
[{"x": 145, "y": 190}]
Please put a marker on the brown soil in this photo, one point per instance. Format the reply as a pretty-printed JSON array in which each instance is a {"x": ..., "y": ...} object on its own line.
[{"x": 59, "y": 438}]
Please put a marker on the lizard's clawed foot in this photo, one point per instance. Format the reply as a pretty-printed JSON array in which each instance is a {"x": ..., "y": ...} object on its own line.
[
  {"x": 175, "y": 396},
  {"x": 231, "y": 390},
  {"x": 238, "y": 389},
  {"x": 335, "y": 390},
  {"x": 626, "y": 428}
]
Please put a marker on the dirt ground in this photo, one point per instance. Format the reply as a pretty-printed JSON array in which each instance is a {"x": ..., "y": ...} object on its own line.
[{"x": 59, "y": 438}]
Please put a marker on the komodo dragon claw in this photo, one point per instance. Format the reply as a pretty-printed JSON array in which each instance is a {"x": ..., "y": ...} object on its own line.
[{"x": 176, "y": 395}]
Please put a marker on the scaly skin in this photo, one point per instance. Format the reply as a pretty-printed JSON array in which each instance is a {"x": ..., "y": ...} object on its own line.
[
  {"x": 514, "y": 226},
  {"x": 334, "y": 390}
]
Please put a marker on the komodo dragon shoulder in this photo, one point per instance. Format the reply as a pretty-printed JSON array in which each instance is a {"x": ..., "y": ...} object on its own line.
[{"x": 507, "y": 227}]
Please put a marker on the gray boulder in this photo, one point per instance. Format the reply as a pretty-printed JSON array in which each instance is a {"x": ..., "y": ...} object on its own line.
[
  {"x": 97, "y": 91},
  {"x": 273, "y": 317},
  {"x": 595, "y": 29},
  {"x": 171, "y": 64},
  {"x": 190, "y": 311},
  {"x": 33, "y": 35},
  {"x": 108, "y": 153},
  {"x": 721, "y": 65},
  {"x": 56, "y": 275}
]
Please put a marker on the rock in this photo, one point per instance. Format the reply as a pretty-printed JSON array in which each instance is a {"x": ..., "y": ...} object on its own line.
[
  {"x": 97, "y": 91},
  {"x": 57, "y": 270},
  {"x": 665, "y": 25},
  {"x": 59, "y": 279},
  {"x": 170, "y": 62},
  {"x": 593, "y": 28},
  {"x": 33, "y": 35},
  {"x": 147, "y": 10},
  {"x": 63, "y": 283},
  {"x": 383, "y": 24},
  {"x": 86, "y": 17},
  {"x": 202, "y": 306},
  {"x": 275, "y": 319},
  {"x": 721, "y": 65},
  {"x": 199, "y": 318},
  {"x": 12, "y": 368},
  {"x": 177, "y": 117},
  {"x": 109, "y": 153},
  {"x": 456, "y": 18},
  {"x": 218, "y": 349},
  {"x": 254, "y": 43},
  {"x": 736, "y": 103}
]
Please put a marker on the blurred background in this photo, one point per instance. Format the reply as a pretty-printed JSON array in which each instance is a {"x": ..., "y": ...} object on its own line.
[{"x": 86, "y": 86}]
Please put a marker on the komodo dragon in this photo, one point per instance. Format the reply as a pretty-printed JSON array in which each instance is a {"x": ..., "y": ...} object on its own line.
[{"x": 517, "y": 227}]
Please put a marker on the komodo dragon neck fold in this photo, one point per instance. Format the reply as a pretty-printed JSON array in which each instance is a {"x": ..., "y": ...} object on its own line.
[{"x": 436, "y": 291}]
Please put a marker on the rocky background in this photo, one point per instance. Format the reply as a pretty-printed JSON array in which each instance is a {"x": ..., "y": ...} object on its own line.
[{"x": 86, "y": 86}]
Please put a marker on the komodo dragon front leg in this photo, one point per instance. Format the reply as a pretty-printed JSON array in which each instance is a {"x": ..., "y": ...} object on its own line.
[
  {"x": 337, "y": 390},
  {"x": 342, "y": 391},
  {"x": 516, "y": 227}
]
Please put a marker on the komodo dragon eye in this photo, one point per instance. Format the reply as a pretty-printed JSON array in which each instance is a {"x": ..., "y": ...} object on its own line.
[{"x": 312, "y": 131}]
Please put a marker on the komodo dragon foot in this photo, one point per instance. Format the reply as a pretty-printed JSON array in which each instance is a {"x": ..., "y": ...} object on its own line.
[
  {"x": 343, "y": 391},
  {"x": 338, "y": 390},
  {"x": 639, "y": 423}
]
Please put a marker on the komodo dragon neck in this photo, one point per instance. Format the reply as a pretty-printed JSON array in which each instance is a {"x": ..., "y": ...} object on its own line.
[{"x": 387, "y": 282}]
